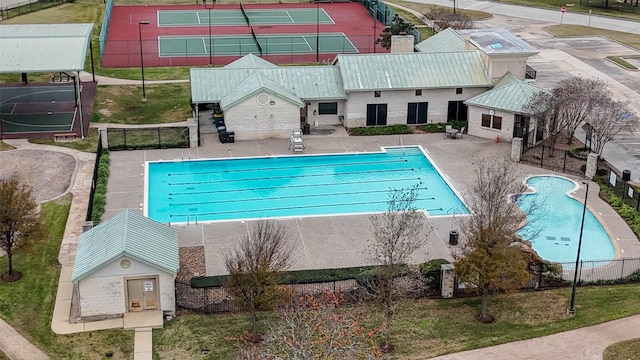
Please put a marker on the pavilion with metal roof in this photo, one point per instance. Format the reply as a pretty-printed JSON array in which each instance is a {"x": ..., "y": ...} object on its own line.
[
  {"x": 31, "y": 48},
  {"x": 47, "y": 48}
]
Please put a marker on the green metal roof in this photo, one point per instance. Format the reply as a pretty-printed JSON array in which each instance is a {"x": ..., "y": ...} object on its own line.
[
  {"x": 250, "y": 61},
  {"x": 507, "y": 95},
  {"x": 306, "y": 82},
  {"x": 127, "y": 234},
  {"x": 44, "y": 47},
  {"x": 412, "y": 70},
  {"x": 254, "y": 84},
  {"x": 446, "y": 40}
]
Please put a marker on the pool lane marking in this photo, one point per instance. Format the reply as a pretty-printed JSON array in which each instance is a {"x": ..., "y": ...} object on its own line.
[
  {"x": 304, "y": 246},
  {"x": 189, "y": 193},
  {"x": 291, "y": 197},
  {"x": 285, "y": 167}
]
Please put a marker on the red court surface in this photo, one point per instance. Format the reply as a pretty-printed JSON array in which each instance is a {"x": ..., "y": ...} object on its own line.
[{"x": 122, "y": 47}]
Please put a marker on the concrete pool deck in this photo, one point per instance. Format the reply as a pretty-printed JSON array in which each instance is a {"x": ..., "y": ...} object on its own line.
[{"x": 330, "y": 241}]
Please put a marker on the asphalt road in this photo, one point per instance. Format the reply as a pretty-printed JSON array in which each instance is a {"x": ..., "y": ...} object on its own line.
[{"x": 552, "y": 16}]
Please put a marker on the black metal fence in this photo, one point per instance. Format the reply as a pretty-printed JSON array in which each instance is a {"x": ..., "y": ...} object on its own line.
[
  {"x": 553, "y": 159},
  {"x": 216, "y": 299},
  {"x": 631, "y": 6},
  {"x": 25, "y": 7},
  {"x": 148, "y": 138},
  {"x": 630, "y": 195},
  {"x": 94, "y": 179}
]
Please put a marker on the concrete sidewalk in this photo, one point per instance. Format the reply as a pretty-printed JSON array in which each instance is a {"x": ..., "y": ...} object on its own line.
[{"x": 586, "y": 343}]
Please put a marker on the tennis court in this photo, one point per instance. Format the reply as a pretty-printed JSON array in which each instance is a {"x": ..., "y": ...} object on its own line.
[
  {"x": 37, "y": 109},
  {"x": 240, "y": 17},
  {"x": 260, "y": 44}
]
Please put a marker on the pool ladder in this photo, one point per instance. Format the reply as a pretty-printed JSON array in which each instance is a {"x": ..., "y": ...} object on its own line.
[{"x": 189, "y": 218}]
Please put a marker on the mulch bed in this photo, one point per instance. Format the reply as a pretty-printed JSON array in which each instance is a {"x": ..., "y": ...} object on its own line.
[
  {"x": 192, "y": 263},
  {"x": 559, "y": 161}
]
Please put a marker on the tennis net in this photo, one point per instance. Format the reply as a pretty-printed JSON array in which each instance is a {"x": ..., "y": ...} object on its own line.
[
  {"x": 244, "y": 13},
  {"x": 256, "y": 39}
]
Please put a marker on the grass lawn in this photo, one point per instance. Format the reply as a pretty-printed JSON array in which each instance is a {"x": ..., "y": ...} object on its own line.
[
  {"x": 4, "y": 146},
  {"x": 626, "y": 350},
  {"x": 88, "y": 144},
  {"x": 27, "y": 304},
  {"x": 557, "y": 4},
  {"x": 426, "y": 8},
  {"x": 628, "y": 39},
  {"x": 427, "y": 327},
  {"x": 121, "y": 104}
]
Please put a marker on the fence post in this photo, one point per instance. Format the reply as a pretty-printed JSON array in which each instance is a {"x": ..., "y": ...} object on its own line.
[
  {"x": 542, "y": 157},
  {"x": 564, "y": 161},
  {"x": 159, "y": 142},
  {"x": 124, "y": 136},
  {"x": 622, "y": 270}
]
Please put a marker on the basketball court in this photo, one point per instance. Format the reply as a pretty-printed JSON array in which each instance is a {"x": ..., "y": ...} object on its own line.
[{"x": 37, "y": 109}]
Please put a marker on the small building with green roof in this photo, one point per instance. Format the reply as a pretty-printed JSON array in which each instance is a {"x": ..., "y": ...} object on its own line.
[
  {"x": 262, "y": 100},
  {"x": 501, "y": 112},
  {"x": 126, "y": 264}
]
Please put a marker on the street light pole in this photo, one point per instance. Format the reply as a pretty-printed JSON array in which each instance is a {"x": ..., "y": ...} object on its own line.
[
  {"x": 140, "y": 23},
  {"x": 375, "y": 22},
  {"x": 317, "y": 31},
  {"x": 571, "y": 310},
  {"x": 213, "y": 3}
]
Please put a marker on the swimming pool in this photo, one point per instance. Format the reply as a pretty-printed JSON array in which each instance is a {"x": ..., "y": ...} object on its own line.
[
  {"x": 293, "y": 186},
  {"x": 558, "y": 223}
]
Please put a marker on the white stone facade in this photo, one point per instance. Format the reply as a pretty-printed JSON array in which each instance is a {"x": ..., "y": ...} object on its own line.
[
  {"x": 397, "y": 103},
  {"x": 505, "y": 133},
  {"x": 323, "y": 120},
  {"x": 104, "y": 291},
  {"x": 250, "y": 121}
]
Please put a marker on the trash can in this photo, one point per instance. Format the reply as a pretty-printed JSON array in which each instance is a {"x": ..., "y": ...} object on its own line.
[
  {"x": 626, "y": 175},
  {"x": 219, "y": 121},
  {"x": 306, "y": 129},
  {"x": 453, "y": 237},
  {"x": 231, "y": 136},
  {"x": 222, "y": 129},
  {"x": 224, "y": 137}
]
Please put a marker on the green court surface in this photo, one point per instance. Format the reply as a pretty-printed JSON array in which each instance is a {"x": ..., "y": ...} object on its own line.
[
  {"x": 169, "y": 18},
  {"x": 238, "y": 45},
  {"x": 36, "y": 122},
  {"x": 37, "y": 108}
]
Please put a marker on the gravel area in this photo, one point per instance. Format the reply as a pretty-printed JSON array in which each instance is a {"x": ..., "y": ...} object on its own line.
[
  {"x": 48, "y": 173},
  {"x": 192, "y": 263}
]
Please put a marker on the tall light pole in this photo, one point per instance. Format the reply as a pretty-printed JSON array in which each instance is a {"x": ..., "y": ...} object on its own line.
[
  {"x": 317, "y": 31},
  {"x": 374, "y": 3},
  {"x": 140, "y": 23},
  {"x": 571, "y": 310},
  {"x": 213, "y": 3}
]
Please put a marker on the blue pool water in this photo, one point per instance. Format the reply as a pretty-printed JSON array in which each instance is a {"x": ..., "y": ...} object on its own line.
[
  {"x": 558, "y": 222},
  {"x": 291, "y": 186}
]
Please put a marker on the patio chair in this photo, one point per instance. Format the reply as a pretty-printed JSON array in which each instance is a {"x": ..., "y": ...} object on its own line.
[
  {"x": 447, "y": 128},
  {"x": 459, "y": 135}
]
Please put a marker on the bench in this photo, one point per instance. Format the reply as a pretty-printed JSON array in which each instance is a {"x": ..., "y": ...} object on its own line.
[{"x": 70, "y": 136}]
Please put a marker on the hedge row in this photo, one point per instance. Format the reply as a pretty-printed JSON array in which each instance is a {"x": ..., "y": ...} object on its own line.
[
  {"x": 99, "y": 196},
  {"x": 292, "y": 277},
  {"x": 628, "y": 213},
  {"x": 380, "y": 130}
]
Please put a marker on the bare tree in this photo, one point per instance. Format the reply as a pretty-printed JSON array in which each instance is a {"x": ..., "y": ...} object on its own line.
[
  {"x": 609, "y": 118},
  {"x": 316, "y": 327},
  {"x": 542, "y": 107},
  {"x": 574, "y": 99},
  {"x": 445, "y": 18},
  {"x": 489, "y": 259},
  {"x": 19, "y": 220},
  {"x": 397, "y": 234},
  {"x": 254, "y": 265}
]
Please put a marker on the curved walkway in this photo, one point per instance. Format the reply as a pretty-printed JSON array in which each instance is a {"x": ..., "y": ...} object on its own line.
[{"x": 586, "y": 343}]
